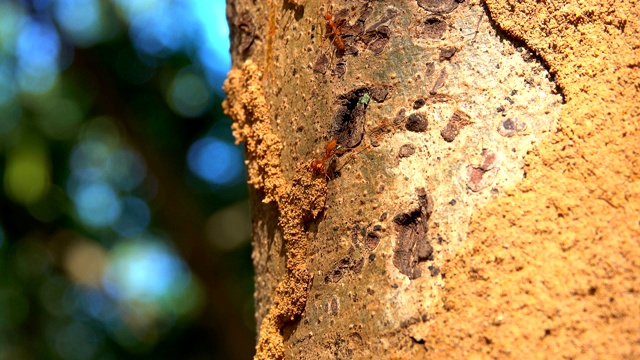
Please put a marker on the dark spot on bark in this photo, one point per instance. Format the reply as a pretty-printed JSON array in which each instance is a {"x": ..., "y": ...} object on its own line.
[
  {"x": 446, "y": 53},
  {"x": 457, "y": 121},
  {"x": 418, "y": 103},
  {"x": 377, "y": 227},
  {"x": 434, "y": 270},
  {"x": 358, "y": 265},
  {"x": 424, "y": 317},
  {"x": 370, "y": 291},
  {"x": 509, "y": 124},
  {"x": 322, "y": 64},
  {"x": 416, "y": 123},
  {"x": 500, "y": 109},
  {"x": 417, "y": 341},
  {"x": 380, "y": 189},
  {"x": 434, "y": 27},
  {"x": 514, "y": 92},
  {"x": 383, "y": 216},
  {"x": 371, "y": 241},
  {"x": 509, "y": 100},
  {"x": 412, "y": 245},
  {"x": 438, "y": 6},
  {"x": 406, "y": 150}
]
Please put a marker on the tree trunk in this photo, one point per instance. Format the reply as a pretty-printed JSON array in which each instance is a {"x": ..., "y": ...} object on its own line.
[{"x": 421, "y": 189}]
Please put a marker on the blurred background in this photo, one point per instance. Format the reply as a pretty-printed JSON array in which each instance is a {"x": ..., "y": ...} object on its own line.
[{"x": 124, "y": 220}]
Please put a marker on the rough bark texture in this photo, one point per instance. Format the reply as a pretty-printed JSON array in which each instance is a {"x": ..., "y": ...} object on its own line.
[{"x": 420, "y": 188}]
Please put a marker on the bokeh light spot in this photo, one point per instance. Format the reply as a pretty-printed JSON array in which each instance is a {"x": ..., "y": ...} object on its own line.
[
  {"x": 134, "y": 218},
  {"x": 216, "y": 161},
  {"x": 126, "y": 169},
  {"x": 230, "y": 227},
  {"x": 26, "y": 177},
  {"x": 81, "y": 20},
  {"x": 37, "y": 52},
  {"x": 89, "y": 160},
  {"x": 146, "y": 271},
  {"x": 59, "y": 118},
  {"x": 85, "y": 262},
  {"x": 189, "y": 94},
  {"x": 97, "y": 204}
]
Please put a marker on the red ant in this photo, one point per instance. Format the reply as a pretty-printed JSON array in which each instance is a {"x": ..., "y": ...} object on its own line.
[
  {"x": 336, "y": 31},
  {"x": 319, "y": 165}
]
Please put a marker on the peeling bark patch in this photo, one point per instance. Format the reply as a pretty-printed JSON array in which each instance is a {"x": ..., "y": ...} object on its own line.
[
  {"x": 348, "y": 122},
  {"x": 416, "y": 123},
  {"x": 446, "y": 53},
  {"x": 322, "y": 64},
  {"x": 355, "y": 232},
  {"x": 412, "y": 246},
  {"x": 406, "y": 150},
  {"x": 379, "y": 93},
  {"x": 479, "y": 177},
  {"x": 425, "y": 200},
  {"x": 434, "y": 27},
  {"x": 343, "y": 267},
  {"x": 434, "y": 270},
  {"x": 371, "y": 241},
  {"x": 457, "y": 121},
  {"x": 358, "y": 266},
  {"x": 438, "y": 6},
  {"x": 430, "y": 69},
  {"x": 340, "y": 69},
  {"x": 511, "y": 127},
  {"x": 439, "y": 82},
  {"x": 419, "y": 103},
  {"x": 333, "y": 307},
  {"x": 383, "y": 35},
  {"x": 244, "y": 23},
  {"x": 399, "y": 116}
]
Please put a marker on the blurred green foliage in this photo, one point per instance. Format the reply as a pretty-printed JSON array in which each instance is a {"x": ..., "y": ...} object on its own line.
[{"x": 124, "y": 222}]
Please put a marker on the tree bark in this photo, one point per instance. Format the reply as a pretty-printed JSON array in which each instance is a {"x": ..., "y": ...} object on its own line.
[{"x": 390, "y": 144}]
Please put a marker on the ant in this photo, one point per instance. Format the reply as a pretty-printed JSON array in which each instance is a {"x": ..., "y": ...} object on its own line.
[
  {"x": 319, "y": 165},
  {"x": 336, "y": 31}
]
